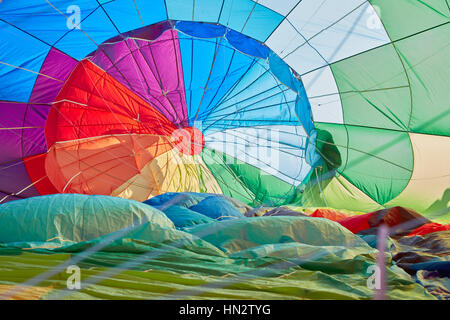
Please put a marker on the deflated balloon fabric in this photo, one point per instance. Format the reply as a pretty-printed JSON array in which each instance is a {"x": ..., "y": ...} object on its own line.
[{"x": 269, "y": 257}]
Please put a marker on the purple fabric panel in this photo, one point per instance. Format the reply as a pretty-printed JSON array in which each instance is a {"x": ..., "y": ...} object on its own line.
[
  {"x": 153, "y": 70},
  {"x": 164, "y": 58},
  {"x": 11, "y": 123},
  {"x": 148, "y": 33},
  {"x": 58, "y": 66},
  {"x": 9, "y": 198},
  {"x": 22, "y": 130},
  {"x": 23, "y": 125},
  {"x": 14, "y": 178},
  {"x": 34, "y": 137}
]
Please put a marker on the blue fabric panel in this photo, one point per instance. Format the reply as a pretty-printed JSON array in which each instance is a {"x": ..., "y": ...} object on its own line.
[
  {"x": 262, "y": 23},
  {"x": 277, "y": 150},
  {"x": 250, "y": 18},
  {"x": 20, "y": 50},
  {"x": 187, "y": 50},
  {"x": 42, "y": 20},
  {"x": 312, "y": 157},
  {"x": 207, "y": 10},
  {"x": 217, "y": 208},
  {"x": 284, "y": 74},
  {"x": 152, "y": 11},
  {"x": 257, "y": 98},
  {"x": 247, "y": 45},
  {"x": 303, "y": 110},
  {"x": 200, "y": 30},
  {"x": 180, "y": 9},
  {"x": 235, "y": 13},
  {"x": 124, "y": 15},
  {"x": 197, "y": 56},
  {"x": 77, "y": 43},
  {"x": 183, "y": 217},
  {"x": 185, "y": 199},
  {"x": 219, "y": 68},
  {"x": 229, "y": 66}
]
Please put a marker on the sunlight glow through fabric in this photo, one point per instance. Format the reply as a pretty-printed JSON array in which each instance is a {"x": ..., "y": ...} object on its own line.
[
  {"x": 319, "y": 103},
  {"x": 132, "y": 117}
]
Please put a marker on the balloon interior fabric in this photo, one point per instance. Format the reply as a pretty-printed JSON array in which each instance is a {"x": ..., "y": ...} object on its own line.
[
  {"x": 249, "y": 132},
  {"x": 207, "y": 246},
  {"x": 142, "y": 115}
]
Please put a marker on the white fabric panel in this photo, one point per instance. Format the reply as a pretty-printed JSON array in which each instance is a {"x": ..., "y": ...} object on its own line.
[
  {"x": 284, "y": 40},
  {"x": 428, "y": 187},
  {"x": 312, "y": 16},
  {"x": 354, "y": 34},
  {"x": 330, "y": 40},
  {"x": 323, "y": 95},
  {"x": 277, "y": 150},
  {"x": 281, "y": 6}
]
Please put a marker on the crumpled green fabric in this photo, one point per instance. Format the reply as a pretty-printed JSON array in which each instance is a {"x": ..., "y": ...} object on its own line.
[{"x": 269, "y": 257}]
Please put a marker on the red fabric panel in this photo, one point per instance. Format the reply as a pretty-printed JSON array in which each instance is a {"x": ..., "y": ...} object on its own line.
[
  {"x": 35, "y": 166},
  {"x": 356, "y": 223},
  {"x": 429, "y": 228},
  {"x": 92, "y": 103},
  {"x": 328, "y": 214}
]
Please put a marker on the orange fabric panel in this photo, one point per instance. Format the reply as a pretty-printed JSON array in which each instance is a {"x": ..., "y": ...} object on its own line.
[
  {"x": 35, "y": 166},
  {"x": 92, "y": 103},
  {"x": 24, "y": 293},
  {"x": 329, "y": 214},
  {"x": 100, "y": 165}
]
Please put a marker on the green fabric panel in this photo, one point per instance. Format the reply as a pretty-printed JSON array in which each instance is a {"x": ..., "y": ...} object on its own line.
[
  {"x": 327, "y": 149},
  {"x": 400, "y": 86},
  {"x": 241, "y": 235},
  {"x": 265, "y": 188},
  {"x": 225, "y": 177},
  {"x": 439, "y": 211},
  {"x": 422, "y": 42},
  {"x": 268, "y": 189},
  {"x": 68, "y": 218},
  {"x": 403, "y": 18},
  {"x": 426, "y": 59},
  {"x": 374, "y": 89},
  {"x": 379, "y": 162},
  {"x": 336, "y": 192},
  {"x": 330, "y": 134}
]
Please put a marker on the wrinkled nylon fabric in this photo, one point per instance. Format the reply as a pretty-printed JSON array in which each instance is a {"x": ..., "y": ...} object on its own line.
[{"x": 268, "y": 257}]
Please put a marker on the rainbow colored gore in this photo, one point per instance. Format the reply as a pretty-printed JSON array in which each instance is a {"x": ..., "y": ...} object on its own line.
[{"x": 145, "y": 114}]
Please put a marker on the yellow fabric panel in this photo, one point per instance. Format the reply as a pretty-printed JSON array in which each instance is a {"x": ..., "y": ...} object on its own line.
[
  {"x": 339, "y": 193},
  {"x": 170, "y": 172},
  {"x": 429, "y": 188},
  {"x": 23, "y": 293}
]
